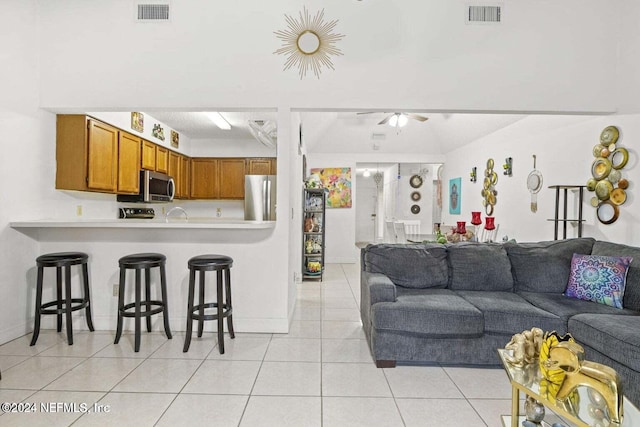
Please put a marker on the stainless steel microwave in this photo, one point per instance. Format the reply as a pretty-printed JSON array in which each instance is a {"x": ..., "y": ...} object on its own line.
[{"x": 155, "y": 187}]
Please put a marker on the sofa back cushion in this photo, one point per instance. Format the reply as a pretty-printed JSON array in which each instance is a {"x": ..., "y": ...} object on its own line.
[
  {"x": 545, "y": 266},
  {"x": 631, "y": 298},
  {"x": 409, "y": 266},
  {"x": 479, "y": 267}
]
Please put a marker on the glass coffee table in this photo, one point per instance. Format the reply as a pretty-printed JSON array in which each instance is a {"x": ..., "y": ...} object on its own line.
[{"x": 526, "y": 379}]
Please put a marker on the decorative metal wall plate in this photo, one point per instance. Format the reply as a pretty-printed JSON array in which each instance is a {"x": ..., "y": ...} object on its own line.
[
  {"x": 415, "y": 181},
  {"x": 415, "y": 209},
  {"x": 607, "y": 181},
  {"x": 415, "y": 196}
]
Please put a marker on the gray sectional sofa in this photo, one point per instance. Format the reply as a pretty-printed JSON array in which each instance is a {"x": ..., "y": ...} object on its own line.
[{"x": 458, "y": 303}]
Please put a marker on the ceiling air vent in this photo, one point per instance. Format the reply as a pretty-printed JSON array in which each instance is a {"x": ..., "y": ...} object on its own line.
[
  {"x": 152, "y": 12},
  {"x": 484, "y": 14}
]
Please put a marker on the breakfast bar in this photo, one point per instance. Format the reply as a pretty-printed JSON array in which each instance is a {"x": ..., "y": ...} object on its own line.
[{"x": 259, "y": 273}]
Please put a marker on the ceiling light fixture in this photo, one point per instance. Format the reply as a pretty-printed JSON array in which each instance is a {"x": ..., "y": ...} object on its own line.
[
  {"x": 219, "y": 121},
  {"x": 366, "y": 173},
  {"x": 398, "y": 120}
]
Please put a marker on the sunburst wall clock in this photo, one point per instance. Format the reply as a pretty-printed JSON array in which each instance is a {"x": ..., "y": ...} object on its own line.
[{"x": 309, "y": 42}]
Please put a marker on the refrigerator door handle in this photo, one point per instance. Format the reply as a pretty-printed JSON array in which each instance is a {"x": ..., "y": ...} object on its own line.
[{"x": 266, "y": 188}]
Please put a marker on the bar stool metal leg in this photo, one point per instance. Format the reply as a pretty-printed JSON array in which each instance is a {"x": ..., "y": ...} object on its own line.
[
  {"x": 36, "y": 328},
  {"x": 59, "y": 296},
  {"x": 147, "y": 294},
  {"x": 85, "y": 276},
  {"x": 227, "y": 274},
  {"x": 67, "y": 291},
  {"x": 120, "y": 305},
  {"x": 137, "y": 319},
  {"x": 192, "y": 285},
  {"x": 201, "y": 305},
  {"x": 220, "y": 306},
  {"x": 163, "y": 290}
]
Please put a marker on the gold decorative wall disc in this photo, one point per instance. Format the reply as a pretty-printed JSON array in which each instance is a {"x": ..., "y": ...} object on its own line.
[
  {"x": 609, "y": 135},
  {"x": 618, "y": 196},
  {"x": 600, "y": 168},
  {"x": 308, "y": 43},
  {"x": 619, "y": 158}
]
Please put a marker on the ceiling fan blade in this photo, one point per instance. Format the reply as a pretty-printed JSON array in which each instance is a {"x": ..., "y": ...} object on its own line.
[
  {"x": 386, "y": 120},
  {"x": 417, "y": 117}
]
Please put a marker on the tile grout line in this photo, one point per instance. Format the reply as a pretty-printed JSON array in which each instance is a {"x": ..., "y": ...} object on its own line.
[{"x": 244, "y": 410}]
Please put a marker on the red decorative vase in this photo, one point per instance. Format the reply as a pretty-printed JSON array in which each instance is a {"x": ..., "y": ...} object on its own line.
[
  {"x": 462, "y": 227},
  {"x": 475, "y": 218},
  {"x": 490, "y": 225}
]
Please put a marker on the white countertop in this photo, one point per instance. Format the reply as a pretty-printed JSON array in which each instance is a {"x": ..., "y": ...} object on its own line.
[{"x": 156, "y": 223}]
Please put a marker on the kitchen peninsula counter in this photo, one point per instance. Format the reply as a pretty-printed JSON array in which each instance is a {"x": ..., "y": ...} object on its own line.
[
  {"x": 174, "y": 229},
  {"x": 259, "y": 250}
]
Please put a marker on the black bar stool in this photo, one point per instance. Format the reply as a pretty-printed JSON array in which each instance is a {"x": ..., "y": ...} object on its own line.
[
  {"x": 139, "y": 262},
  {"x": 202, "y": 264},
  {"x": 64, "y": 305}
]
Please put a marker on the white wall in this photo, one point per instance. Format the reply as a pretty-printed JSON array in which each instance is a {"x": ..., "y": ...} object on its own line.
[
  {"x": 24, "y": 164},
  {"x": 563, "y": 147},
  {"x": 545, "y": 56}
]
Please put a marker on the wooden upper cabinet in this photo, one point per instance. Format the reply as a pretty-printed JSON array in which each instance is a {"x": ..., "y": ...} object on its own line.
[
  {"x": 185, "y": 177},
  {"x": 86, "y": 154},
  {"x": 204, "y": 178},
  {"x": 232, "y": 173},
  {"x": 162, "y": 159},
  {"x": 261, "y": 166},
  {"x": 148, "y": 155},
  {"x": 129, "y": 163},
  {"x": 174, "y": 171},
  {"x": 103, "y": 157}
]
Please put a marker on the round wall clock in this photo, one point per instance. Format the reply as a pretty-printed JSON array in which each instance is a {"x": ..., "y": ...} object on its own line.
[{"x": 415, "y": 181}]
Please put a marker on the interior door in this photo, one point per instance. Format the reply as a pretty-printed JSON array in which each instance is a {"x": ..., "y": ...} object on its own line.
[{"x": 366, "y": 210}]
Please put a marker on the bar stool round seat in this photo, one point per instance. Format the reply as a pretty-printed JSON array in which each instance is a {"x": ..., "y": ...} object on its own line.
[
  {"x": 201, "y": 264},
  {"x": 142, "y": 262},
  {"x": 64, "y": 302}
]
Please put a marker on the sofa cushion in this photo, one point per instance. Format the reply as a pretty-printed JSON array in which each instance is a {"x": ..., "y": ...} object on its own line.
[
  {"x": 615, "y": 336},
  {"x": 565, "y": 307},
  {"x": 508, "y": 313},
  {"x": 428, "y": 313},
  {"x": 631, "y": 297},
  {"x": 544, "y": 266},
  {"x": 598, "y": 278},
  {"x": 409, "y": 266},
  {"x": 479, "y": 267}
]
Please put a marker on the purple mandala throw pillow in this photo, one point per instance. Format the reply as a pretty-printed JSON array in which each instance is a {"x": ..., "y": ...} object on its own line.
[{"x": 598, "y": 278}]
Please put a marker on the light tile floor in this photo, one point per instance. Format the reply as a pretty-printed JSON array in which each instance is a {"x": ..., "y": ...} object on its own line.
[{"x": 320, "y": 374}]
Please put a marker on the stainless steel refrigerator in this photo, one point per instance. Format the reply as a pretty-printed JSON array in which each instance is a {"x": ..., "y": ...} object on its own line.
[{"x": 260, "y": 197}]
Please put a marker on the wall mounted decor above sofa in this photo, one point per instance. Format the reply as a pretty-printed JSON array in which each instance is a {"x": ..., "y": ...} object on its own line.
[
  {"x": 606, "y": 176},
  {"x": 488, "y": 192}
]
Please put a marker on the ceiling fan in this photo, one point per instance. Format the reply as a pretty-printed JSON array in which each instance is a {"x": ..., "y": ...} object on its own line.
[{"x": 399, "y": 119}]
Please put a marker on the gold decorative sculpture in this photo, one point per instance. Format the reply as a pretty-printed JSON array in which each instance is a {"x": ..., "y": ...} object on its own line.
[
  {"x": 309, "y": 43},
  {"x": 568, "y": 356},
  {"x": 525, "y": 346}
]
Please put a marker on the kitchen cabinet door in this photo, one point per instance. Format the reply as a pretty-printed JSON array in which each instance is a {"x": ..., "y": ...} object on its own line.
[
  {"x": 204, "y": 178},
  {"x": 174, "y": 171},
  {"x": 232, "y": 173},
  {"x": 162, "y": 159},
  {"x": 128, "y": 163},
  {"x": 261, "y": 166},
  {"x": 185, "y": 177},
  {"x": 148, "y": 155},
  {"x": 102, "y": 165}
]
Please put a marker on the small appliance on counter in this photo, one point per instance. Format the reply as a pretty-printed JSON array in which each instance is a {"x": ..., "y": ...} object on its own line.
[
  {"x": 260, "y": 197},
  {"x": 136, "y": 213}
]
